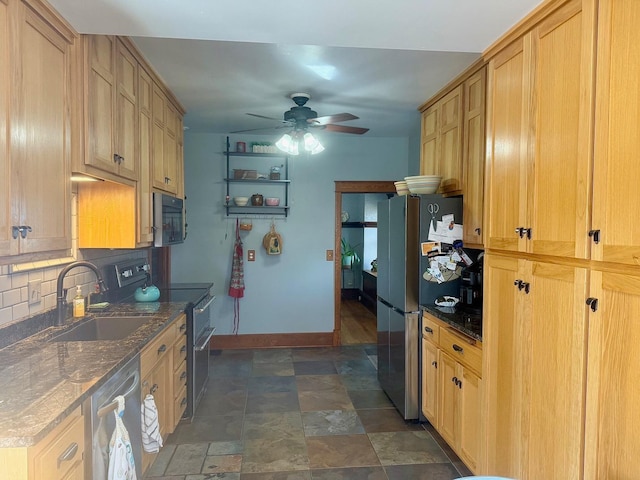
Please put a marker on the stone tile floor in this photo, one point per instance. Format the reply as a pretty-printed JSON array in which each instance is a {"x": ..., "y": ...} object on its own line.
[{"x": 301, "y": 414}]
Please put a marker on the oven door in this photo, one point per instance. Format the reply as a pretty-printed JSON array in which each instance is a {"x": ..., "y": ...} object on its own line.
[{"x": 202, "y": 335}]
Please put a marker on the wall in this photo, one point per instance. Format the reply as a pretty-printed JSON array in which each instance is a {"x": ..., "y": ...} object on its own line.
[{"x": 292, "y": 292}]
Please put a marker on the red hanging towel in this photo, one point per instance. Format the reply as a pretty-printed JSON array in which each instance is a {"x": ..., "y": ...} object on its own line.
[{"x": 236, "y": 287}]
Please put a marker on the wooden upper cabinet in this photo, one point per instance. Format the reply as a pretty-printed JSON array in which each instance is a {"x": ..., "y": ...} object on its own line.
[
  {"x": 473, "y": 158},
  {"x": 442, "y": 141},
  {"x": 35, "y": 139},
  {"x": 616, "y": 178},
  {"x": 145, "y": 122},
  {"x": 539, "y": 160},
  {"x": 507, "y": 147},
  {"x": 167, "y": 151},
  {"x": 8, "y": 245},
  {"x": 450, "y": 155},
  {"x": 429, "y": 152},
  {"x": 111, "y": 144}
]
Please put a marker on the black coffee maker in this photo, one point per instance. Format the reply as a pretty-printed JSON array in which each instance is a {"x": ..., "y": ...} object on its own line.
[{"x": 471, "y": 288}]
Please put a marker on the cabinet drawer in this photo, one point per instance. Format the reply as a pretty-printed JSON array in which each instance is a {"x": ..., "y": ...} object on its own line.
[
  {"x": 462, "y": 349},
  {"x": 155, "y": 350},
  {"x": 430, "y": 330},
  {"x": 180, "y": 377},
  {"x": 180, "y": 404},
  {"x": 62, "y": 450},
  {"x": 179, "y": 351},
  {"x": 179, "y": 326}
]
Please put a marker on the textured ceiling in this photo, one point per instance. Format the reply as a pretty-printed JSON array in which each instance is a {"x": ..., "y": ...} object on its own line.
[{"x": 378, "y": 60}]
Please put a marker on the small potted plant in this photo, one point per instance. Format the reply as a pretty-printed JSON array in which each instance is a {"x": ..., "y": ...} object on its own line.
[{"x": 349, "y": 255}]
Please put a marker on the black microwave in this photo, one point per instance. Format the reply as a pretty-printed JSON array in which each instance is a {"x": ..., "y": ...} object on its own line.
[{"x": 168, "y": 220}]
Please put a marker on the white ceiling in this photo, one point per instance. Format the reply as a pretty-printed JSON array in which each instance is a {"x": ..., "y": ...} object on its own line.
[{"x": 377, "y": 59}]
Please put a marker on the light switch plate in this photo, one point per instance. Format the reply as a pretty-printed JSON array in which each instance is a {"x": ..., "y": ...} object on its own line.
[
  {"x": 251, "y": 255},
  {"x": 34, "y": 290},
  {"x": 329, "y": 255}
]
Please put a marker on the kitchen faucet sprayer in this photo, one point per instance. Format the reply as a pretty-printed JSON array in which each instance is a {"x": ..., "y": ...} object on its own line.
[{"x": 61, "y": 299}]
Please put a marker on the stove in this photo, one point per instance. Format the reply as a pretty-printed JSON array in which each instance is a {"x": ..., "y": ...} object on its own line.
[{"x": 124, "y": 278}]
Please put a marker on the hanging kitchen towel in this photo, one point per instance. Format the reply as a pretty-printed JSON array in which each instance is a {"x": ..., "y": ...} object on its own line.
[
  {"x": 151, "y": 438},
  {"x": 236, "y": 287},
  {"x": 272, "y": 241},
  {"x": 122, "y": 465}
]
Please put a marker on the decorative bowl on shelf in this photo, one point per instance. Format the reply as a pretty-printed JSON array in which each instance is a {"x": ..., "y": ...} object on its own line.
[
  {"x": 423, "y": 184},
  {"x": 272, "y": 201},
  {"x": 401, "y": 187},
  {"x": 241, "y": 201}
]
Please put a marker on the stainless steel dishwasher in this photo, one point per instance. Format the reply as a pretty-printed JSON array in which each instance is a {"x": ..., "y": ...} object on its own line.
[{"x": 125, "y": 382}]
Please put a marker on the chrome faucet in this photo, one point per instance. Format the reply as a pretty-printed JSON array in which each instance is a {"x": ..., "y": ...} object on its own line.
[{"x": 61, "y": 293}]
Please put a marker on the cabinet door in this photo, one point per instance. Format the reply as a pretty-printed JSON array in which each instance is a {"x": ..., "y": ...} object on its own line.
[
  {"x": 616, "y": 199},
  {"x": 507, "y": 147},
  {"x": 8, "y": 246},
  {"x": 555, "y": 354},
  {"x": 171, "y": 151},
  {"x": 473, "y": 158},
  {"x": 158, "y": 132},
  {"x": 430, "y": 381},
  {"x": 559, "y": 187},
  {"x": 449, "y": 152},
  {"x": 429, "y": 152},
  {"x": 447, "y": 397},
  {"x": 469, "y": 418},
  {"x": 612, "y": 421},
  {"x": 502, "y": 373},
  {"x": 41, "y": 155},
  {"x": 126, "y": 112},
  {"x": 100, "y": 102},
  {"x": 143, "y": 187}
]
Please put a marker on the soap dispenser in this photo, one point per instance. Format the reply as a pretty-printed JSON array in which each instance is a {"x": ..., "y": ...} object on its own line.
[{"x": 78, "y": 303}]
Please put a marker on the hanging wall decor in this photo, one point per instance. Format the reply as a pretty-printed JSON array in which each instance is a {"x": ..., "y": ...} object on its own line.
[{"x": 272, "y": 241}]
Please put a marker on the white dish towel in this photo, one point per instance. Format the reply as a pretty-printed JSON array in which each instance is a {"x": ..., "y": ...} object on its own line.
[
  {"x": 151, "y": 438},
  {"x": 121, "y": 462}
]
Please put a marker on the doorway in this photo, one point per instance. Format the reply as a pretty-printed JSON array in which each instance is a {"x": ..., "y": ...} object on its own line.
[{"x": 353, "y": 308}]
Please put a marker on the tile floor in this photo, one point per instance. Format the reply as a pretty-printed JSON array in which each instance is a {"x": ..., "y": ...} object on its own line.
[{"x": 301, "y": 414}]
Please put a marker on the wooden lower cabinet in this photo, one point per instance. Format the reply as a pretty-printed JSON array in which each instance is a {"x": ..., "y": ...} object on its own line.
[
  {"x": 158, "y": 373},
  {"x": 451, "y": 388},
  {"x": 612, "y": 421},
  {"x": 59, "y": 456},
  {"x": 534, "y": 342}
]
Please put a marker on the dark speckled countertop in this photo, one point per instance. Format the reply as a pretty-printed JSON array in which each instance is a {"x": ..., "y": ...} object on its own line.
[
  {"x": 469, "y": 324},
  {"x": 41, "y": 382}
]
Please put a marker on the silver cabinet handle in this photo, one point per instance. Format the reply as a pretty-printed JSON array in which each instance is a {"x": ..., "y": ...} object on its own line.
[
  {"x": 202, "y": 309},
  {"x": 68, "y": 454}
]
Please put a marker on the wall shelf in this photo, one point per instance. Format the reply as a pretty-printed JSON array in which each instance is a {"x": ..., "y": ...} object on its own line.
[{"x": 235, "y": 185}]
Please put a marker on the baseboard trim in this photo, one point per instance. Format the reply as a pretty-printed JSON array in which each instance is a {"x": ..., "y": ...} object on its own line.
[{"x": 271, "y": 340}]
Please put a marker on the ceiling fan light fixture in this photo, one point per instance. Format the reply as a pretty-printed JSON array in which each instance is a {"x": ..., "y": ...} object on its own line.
[
  {"x": 311, "y": 144},
  {"x": 288, "y": 144}
]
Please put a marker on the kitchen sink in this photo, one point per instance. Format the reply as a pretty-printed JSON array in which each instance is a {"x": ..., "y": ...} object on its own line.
[{"x": 102, "y": 328}]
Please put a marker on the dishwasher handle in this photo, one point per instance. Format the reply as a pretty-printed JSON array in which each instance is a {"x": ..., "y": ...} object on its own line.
[{"x": 112, "y": 405}]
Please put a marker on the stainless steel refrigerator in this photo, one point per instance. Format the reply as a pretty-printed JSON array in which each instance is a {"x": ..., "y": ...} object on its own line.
[{"x": 403, "y": 224}]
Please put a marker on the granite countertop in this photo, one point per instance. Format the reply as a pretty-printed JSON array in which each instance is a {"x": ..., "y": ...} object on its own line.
[
  {"x": 41, "y": 382},
  {"x": 469, "y": 324}
]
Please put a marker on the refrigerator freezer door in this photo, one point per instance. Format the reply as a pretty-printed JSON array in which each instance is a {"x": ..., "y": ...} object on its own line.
[
  {"x": 399, "y": 377},
  {"x": 383, "y": 313}
]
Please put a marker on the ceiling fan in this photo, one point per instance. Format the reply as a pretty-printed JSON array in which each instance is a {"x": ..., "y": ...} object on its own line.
[{"x": 301, "y": 118}]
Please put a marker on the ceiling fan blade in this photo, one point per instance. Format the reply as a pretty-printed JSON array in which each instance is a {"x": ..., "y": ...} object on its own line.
[
  {"x": 268, "y": 118},
  {"x": 256, "y": 129},
  {"x": 338, "y": 117},
  {"x": 345, "y": 129}
]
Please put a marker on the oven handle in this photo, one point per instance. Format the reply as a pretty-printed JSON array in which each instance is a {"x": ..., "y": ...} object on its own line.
[
  {"x": 202, "y": 309},
  {"x": 203, "y": 345}
]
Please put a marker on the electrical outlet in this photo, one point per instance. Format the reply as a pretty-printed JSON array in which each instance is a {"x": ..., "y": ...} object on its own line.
[
  {"x": 34, "y": 290},
  {"x": 251, "y": 255},
  {"x": 329, "y": 255}
]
